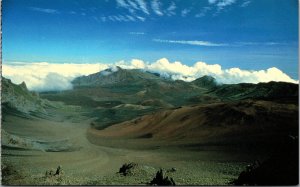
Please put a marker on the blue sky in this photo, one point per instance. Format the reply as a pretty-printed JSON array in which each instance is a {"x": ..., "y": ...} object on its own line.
[{"x": 249, "y": 34}]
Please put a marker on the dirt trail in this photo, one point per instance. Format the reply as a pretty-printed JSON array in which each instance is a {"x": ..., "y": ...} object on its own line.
[{"x": 87, "y": 158}]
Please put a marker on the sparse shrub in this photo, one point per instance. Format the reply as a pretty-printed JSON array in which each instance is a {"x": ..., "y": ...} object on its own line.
[
  {"x": 126, "y": 169},
  {"x": 7, "y": 170},
  {"x": 13, "y": 141},
  {"x": 161, "y": 181},
  {"x": 10, "y": 174},
  {"x": 58, "y": 170},
  {"x": 51, "y": 173},
  {"x": 172, "y": 170}
]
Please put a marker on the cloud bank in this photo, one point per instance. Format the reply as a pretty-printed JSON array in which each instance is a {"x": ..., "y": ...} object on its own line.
[{"x": 45, "y": 76}]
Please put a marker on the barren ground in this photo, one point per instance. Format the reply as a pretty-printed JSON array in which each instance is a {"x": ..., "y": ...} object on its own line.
[{"x": 88, "y": 162}]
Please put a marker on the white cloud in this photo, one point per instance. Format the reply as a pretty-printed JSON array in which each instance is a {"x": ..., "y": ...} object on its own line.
[
  {"x": 45, "y": 10},
  {"x": 192, "y": 42},
  {"x": 236, "y": 75},
  {"x": 40, "y": 76},
  {"x": 137, "y": 33},
  {"x": 185, "y": 11},
  {"x": 139, "y": 64},
  {"x": 133, "y": 4},
  {"x": 143, "y": 6},
  {"x": 117, "y": 18},
  {"x": 220, "y": 6},
  {"x": 141, "y": 18},
  {"x": 121, "y": 18},
  {"x": 124, "y": 4},
  {"x": 45, "y": 76},
  {"x": 111, "y": 18},
  {"x": 72, "y": 12},
  {"x": 130, "y": 18},
  {"x": 177, "y": 70},
  {"x": 245, "y": 3},
  {"x": 223, "y": 3},
  {"x": 155, "y": 4},
  {"x": 212, "y": 44},
  {"x": 170, "y": 11},
  {"x": 54, "y": 81},
  {"x": 238, "y": 44},
  {"x": 203, "y": 12}
]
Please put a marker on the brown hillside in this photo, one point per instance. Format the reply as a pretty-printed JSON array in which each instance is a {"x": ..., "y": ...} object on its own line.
[{"x": 212, "y": 122}]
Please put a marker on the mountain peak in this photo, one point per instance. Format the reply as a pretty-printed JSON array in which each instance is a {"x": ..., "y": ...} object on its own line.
[
  {"x": 206, "y": 81},
  {"x": 113, "y": 69},
  {"x": 17, "y": 96},
  {"x": 117, "y": 75},
  {"x": 108, "y": 76},
  {"x": 23, "y": 86}
]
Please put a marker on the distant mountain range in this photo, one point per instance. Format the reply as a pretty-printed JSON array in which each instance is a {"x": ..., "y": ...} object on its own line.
[
  {"x": 116, "y": 95},
  {"x": 153, "y": 82}
]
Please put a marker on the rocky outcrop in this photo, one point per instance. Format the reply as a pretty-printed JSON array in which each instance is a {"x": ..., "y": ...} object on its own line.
[{"x": 20, "y": 98}]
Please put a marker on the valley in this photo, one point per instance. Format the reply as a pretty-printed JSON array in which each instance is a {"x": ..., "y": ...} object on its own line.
[{"x": 208, "y": 132}]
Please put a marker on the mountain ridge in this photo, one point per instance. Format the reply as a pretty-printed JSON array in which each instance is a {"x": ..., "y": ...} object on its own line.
[
  {"x": 114, "y": 75},
  {"x": 19, "y": 97}
]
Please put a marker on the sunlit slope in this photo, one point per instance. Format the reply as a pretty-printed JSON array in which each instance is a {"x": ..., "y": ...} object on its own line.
[{"x": 219, "y": 123}]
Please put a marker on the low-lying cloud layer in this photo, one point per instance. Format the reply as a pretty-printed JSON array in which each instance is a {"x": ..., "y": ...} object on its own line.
[{"x": 45, "y": 76}]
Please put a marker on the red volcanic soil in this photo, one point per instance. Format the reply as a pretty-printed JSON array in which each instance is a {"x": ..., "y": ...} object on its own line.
[{"x": 218, "y": 122}]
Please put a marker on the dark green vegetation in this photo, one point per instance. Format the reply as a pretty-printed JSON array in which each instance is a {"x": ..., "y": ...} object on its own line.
[{"x": 208, "y": 131}]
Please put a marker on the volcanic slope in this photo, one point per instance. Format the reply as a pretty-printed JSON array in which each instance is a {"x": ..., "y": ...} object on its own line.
[
  {"x": 18, "y": 102},
  {"x": 238, "y": 122},
  {"x": 208, "y": 137},
  {"x": 34, "y": 144},
  {"x": 110, "y": 95}
]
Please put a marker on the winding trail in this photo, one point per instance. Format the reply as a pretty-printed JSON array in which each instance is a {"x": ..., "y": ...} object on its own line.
[{"x": 87, "y": 158}]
